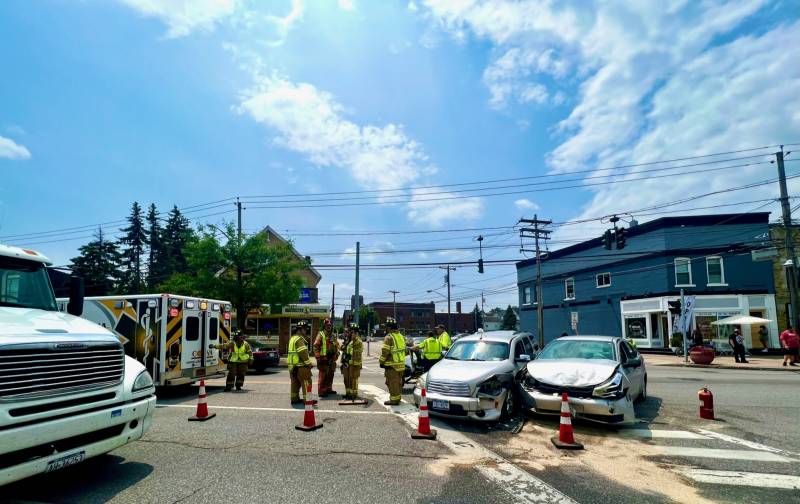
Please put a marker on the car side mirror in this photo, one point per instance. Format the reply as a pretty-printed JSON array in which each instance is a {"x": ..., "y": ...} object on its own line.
[
  {"x": 523, "y": 358},
  {"x": 76, "y": 294},
  {"x": 633, "y": 363}
]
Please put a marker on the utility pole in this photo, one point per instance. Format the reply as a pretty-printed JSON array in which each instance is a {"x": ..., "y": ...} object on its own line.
[
  {"x": 394, "y": 294},
  {"x": 448, "y": 268},
  {"x": 356, "y": 307},
  {"x": 333, "y": 302},
  {"x": 791, "y": 277},
  {"x": 537, "y": 233},
  {"x": 685, "y": 336},
  {"x": 239, "y": 323}
]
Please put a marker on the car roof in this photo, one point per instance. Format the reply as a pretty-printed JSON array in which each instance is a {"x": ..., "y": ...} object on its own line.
[
  {"x": 591, "y": 338},
  {"x": 503, "y": 336}
]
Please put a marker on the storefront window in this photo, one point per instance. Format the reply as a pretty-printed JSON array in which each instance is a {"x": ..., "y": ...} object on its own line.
[
  {"x": 636, "y": 327},
  {"x": 703, "y": 324}
]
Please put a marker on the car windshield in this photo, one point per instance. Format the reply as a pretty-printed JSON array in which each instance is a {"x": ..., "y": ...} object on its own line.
[
  {"x": 478, "y": 351},
  {"x": 577, "y": 349},
  {"x": 24, "y": 284}
]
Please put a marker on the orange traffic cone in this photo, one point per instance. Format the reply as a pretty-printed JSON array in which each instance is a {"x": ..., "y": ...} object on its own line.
[
  {"x": 424, "y": 430},
  {"x": 566, "y": 438},
  {"x": 202, "y": 408},
  {"x": 309, "y": 420}
]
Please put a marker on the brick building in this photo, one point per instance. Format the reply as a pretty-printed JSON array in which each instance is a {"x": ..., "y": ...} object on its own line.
[{"x": 412, "y": 318}]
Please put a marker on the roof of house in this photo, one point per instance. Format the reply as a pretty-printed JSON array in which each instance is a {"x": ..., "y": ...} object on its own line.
[
  {"x": 271, "y": 232},
  {"x": 662, "y": 223}
]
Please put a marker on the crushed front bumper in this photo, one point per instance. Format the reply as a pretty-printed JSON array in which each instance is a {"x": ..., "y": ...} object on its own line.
[
  {"x": 607, "y": 411},
  {"x": 484, "y": 408}
]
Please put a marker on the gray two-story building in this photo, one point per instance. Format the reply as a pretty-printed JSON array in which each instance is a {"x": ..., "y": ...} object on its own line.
[{"x": 626, "y": 292}]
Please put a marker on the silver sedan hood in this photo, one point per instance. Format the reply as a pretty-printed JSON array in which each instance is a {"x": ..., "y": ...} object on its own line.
[
  {"x": 572, "y": 372},
  {"x": 472, "y": 372}
]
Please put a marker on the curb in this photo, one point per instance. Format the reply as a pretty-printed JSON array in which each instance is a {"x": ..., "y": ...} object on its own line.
[{"x": 725, "y": 366}]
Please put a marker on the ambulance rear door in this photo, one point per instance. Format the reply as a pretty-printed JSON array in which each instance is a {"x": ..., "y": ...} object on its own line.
[
  {"x": 193, "y": 347},
  {"x": 213, "y": 315}
]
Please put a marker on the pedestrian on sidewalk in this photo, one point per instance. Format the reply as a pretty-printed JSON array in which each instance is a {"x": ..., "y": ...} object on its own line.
[
  {"x": 736, "y": 341},
  {"x": 790, "y": 343}
]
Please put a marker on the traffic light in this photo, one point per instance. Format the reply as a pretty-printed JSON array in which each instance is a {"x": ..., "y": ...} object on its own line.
[
  {"x": 620, "y": 237},
  {"x": 480, "y": 265},
  {"x": 607, "y": 240},
  {"x": 675, "y": 307}
]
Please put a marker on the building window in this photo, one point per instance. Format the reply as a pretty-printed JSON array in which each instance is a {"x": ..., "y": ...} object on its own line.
[
  {"x": 604, "y": 280},
  {"x": 527, "y": 295},
  {"x": 716, "y": 271},
  {"x": 569, "y": 289},
  {"x": 683, "y": 272}
]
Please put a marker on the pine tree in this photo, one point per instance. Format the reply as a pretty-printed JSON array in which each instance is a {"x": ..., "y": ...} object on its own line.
[
  {"x": 156, "y": 259},
  {"x": 509, "y": 319},
  {"x": 476, "y": 312},
  {"x": 134, "y": 244},
  {"x": 98, "y": 265},
  {"x": 177, "y": 235}
]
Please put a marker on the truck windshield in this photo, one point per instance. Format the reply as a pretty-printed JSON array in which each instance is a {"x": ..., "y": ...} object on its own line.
[{"x": 24, "y": 284}]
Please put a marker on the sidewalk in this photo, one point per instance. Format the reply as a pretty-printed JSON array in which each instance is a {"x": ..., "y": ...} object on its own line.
[{"x": 754, "y": 362}]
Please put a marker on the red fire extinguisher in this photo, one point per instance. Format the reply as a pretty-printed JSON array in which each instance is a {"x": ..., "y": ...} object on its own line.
[{"x": 706, "y": 403}]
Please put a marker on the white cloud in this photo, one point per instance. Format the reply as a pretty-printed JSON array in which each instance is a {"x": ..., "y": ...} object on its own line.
[
  {"x": 348, "y": 5},
  {"x": 421, "y": 210},
  {"x": 284, "y": 24},
  {"x": 185, "y": 16},
  {"x": 412, "y": 6},
  {"x": 526, "y": 204},
  {"x": 313, "y": 123},
  {"x": 9, "y": 149}
]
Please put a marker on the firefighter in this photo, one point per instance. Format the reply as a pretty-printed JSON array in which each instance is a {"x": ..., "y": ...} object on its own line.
[
  {"x": 299, "y": 363},
  {"x": 431, "y": 351},
  {"x": 326, "y": 350},
  {"x": 351, "y": 361},
  {"x": 444, "y": 338},
  {"x": 393, "y": 361},
  {"x": 241, "y": 356}
]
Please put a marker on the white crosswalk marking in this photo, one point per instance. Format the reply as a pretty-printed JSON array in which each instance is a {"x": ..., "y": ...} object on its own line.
[
  {"x": 665, "y": 434},
  {"x": 739, "y": 478},
  {"x": 716, "y": 453}
]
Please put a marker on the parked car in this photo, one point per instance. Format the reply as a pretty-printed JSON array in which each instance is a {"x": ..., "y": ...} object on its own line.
[
  {"x": 264, "y": 356},
  {"x": 477, "y": 377},
  {"x": 603, "y": 375}
]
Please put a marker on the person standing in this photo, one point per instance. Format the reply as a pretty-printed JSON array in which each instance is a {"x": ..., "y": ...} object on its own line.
[
  {"x": 763, "y": 337},
  {"x": 790, "y": 343},
  {"x": 241, "y": 355},
  {"x": 393, "y": 361},
  {"x": 737, "y": 343},
  {"x": 431, "y": 351},
  {"x": 299, "y": 364},
  {"x": 444, "y": 338},
  {"x": 351, "y": 361},
  {"x": 326, "y": 350}
]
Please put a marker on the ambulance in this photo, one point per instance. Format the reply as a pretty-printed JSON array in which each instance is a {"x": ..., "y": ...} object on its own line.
[{"x": 170, "y": 334}]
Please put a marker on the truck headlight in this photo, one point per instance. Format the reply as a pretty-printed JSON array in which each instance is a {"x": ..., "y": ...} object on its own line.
[
  {"x": 491, "y": 387},
  {"x": 610, "y": 389},
  {"x": 142, "y": 382}
]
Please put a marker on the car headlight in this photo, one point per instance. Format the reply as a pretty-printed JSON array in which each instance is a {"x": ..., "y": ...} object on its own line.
[
  {"x": 610, "y": 389},
  {"x": 142, "y": 382},
  {"x": 491, "y": 387}
]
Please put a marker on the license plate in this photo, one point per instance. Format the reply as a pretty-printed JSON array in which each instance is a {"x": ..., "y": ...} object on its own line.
[
  {"x": 65, "y": 461},
  {"x": 440, "y": 405}
]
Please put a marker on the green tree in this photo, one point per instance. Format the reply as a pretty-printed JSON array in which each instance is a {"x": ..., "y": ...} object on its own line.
[
  {"x": 177, "y": 236},
  {"x": 98, "y": 265},
  {"x": 476, "y": 312},
  {"x": 509, "y": 320},
  {"x": 156, "y": 259},
  {"x": 269, "y": 271},
  {"x": 134, "y": 242},
  {"x": 367, "y": 318}
]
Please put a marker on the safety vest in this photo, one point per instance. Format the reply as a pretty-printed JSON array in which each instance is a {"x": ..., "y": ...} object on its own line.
[
  {"x": 431, "y": 349},
  {"x": 445, "y": 341},
  {"x": 356, "y": 360},
  {"x": 296, "y": 345},
  {"x": 398, "y": 350},
  {"x": 323, "y": 351},
  {"x": 239, "y": 354}
]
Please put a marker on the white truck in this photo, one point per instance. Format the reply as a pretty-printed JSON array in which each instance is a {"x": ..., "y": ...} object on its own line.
[{"x": 67, "y": 390}]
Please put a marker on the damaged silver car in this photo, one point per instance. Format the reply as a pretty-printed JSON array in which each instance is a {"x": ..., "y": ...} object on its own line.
[{"x": 603, "y": 376}]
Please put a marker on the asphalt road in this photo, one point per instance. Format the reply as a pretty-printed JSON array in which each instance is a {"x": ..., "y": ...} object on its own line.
[{"x": 251, "y": 451}]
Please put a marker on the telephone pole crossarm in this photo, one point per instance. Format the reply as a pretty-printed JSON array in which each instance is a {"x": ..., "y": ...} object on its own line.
[{"x": 537, "y": 233}]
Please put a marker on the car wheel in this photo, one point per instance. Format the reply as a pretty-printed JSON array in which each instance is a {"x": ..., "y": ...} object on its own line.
[
  {"x": 643, "y": 394},
  {"x": 509, "y": 405},
  {"x": 260, "y": 369}
]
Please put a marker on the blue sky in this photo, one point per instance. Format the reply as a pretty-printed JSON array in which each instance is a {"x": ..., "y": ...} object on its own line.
[{"x": 107, "y": 102}]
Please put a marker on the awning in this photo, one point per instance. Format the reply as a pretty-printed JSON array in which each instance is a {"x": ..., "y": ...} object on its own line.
[{"x": 741, "y": 320}]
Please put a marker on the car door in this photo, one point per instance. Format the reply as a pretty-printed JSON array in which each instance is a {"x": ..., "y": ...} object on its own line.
[{"x": 631, "y": 364}]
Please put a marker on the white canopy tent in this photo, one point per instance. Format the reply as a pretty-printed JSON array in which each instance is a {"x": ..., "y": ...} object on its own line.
[{"x": 741, "y": 320}]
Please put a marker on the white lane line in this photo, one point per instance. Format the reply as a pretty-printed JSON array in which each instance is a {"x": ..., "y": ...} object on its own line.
[
  {"x": 760, "y": 456},
  {"x": 749, "y": 444},
  {"x": 522, "y": 486},
  {"x": 665, "y": 434},
  {"x": 279, "y": 410},
  {"x": 759, "y": 480}
]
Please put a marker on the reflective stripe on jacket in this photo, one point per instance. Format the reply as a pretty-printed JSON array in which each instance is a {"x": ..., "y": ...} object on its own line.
[
  {"x": 240, "y": 354},
  {"x": 297, "y": 352},
  {"x": 393, "y": 352},
  {"x": 354, "y": 349}
]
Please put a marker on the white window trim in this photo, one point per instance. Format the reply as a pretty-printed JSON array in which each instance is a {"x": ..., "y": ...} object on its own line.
[
  {"x": 597, "y": 284},
  {"x": 689, "y": 261},
  {"x": 566, "y": 296},
  {"x": 721, "y": 269},
  {"x": 530, "y": 302}
]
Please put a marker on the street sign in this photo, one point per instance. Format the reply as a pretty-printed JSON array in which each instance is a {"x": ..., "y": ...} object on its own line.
[
  {"x": 766, "y": 254},
  {"x": 574, "y": 320}
]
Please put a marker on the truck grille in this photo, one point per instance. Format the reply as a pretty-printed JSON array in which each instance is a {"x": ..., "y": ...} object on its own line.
[
  {"x": 50, "y": 369},
  {"x": 449, "y": 388}
]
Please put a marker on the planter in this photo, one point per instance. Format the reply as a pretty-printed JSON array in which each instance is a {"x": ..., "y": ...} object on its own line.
[{"x": 701, "y": 355}]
